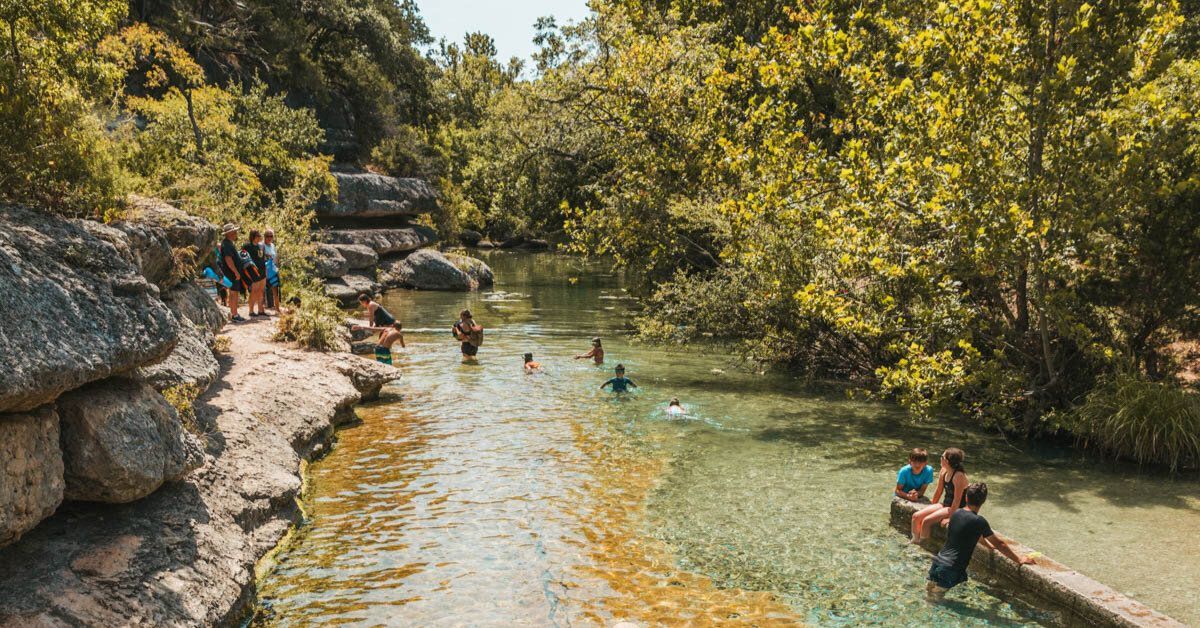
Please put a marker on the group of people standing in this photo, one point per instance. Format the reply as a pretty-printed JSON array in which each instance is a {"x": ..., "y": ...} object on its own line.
[{"x": 251, "y": 270}]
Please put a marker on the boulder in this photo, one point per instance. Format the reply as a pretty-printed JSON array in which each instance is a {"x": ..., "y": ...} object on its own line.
[
  {"x": 358, "y": 256},
  {"x": 31, "y": 471},
  {"x": 347, "y": 288},
  {"x": 385, "y": 241},
  {"x": 121, "y": 441},
  {"x": 150, "y": 252},
  {"x": 475, "y": 268},
  {"x": 188, "y": 301},
  {"x": 426, "y": 269},
  {"x": 191, "y": 363},
  {"x": 469, "y": 237},
  {"x": 367, "y": 195},
  {"x": 485, "y": 244},
  {"x": 328, "y": 262},
  {"x": 76, "y": 309},
  {"x": 181, "y": 229}
]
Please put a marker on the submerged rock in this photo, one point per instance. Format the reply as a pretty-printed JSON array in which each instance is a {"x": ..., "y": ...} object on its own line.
[
  {"x": 367, "y": 195},
  {"x": 425, "y": 270},
  {"x": 31, "y": 471},
  {"x": 386, "y": 241},
  {"x": 76, "y": 309},
  {"x": 121, "y": 441}
]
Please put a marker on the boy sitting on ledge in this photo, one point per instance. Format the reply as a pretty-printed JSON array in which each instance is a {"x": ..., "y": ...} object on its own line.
[
  {"x": 949, "y": 566},
  {"x": 915, "y": 476}
]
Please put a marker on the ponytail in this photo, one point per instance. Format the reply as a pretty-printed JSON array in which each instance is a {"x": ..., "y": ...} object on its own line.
[{"x": 954, "y": 457}]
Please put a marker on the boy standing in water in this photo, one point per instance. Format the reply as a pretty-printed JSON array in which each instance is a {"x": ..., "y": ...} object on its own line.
[
  {"x": 914, "y": 477},
  {"x": 597, "y": 352},
  {"x": 620, "y": 383},
  {"x": 388, "y": 336},
  {"x": 469, "y": 333},
  {"x": 949, "y": 567}
]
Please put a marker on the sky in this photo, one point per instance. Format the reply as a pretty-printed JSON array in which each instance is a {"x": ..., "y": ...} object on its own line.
[{"x": 509, "y": 22}]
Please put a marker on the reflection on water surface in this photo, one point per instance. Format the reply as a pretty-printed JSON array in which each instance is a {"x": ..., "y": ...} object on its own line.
[{"x": 486, "y": 496}]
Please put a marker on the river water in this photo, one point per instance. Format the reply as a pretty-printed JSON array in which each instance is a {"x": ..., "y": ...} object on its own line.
[{"x": 480, "y": 495}]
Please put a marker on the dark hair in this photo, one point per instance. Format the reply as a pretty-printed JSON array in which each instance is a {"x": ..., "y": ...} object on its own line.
[
  {"x": 396, "y": 325},
  {"x": 294, "y": 301},
  {"x": 254, "y": 234},
  {"x": 465, "y": 314},
  {"x": 620, "y": 367},
  {"x": 954, "y": 457},
  {"x": 529, "y": 357},
  {"x": 674, "y": 401},
  {"x": 596, "y": 340},
  {"x": 918, "y": 454},
  {"x": 362, "y": 296},
  {"x": 976, "y": 494}
]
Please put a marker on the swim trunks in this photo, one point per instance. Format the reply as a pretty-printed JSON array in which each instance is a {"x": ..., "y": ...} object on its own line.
[{"x": 383, "y": 354}]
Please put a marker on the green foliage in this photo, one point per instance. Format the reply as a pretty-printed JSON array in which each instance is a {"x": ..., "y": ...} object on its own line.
[
  {"x": 1150, "y": 422},
  {"x": 316, "y": 323},
  {"x": 52, "y": 142},
  {"x": 183, "y": 397}
]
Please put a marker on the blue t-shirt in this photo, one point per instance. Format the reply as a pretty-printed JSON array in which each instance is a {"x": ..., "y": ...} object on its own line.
[
  {"x": 619, "y": 384},
  {"x": 910, "y": 481}
]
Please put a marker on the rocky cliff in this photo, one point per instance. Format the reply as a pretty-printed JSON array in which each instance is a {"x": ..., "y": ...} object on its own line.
[
  {"x": 114, "y": 509},
  {"x": 373, "y": 239}
]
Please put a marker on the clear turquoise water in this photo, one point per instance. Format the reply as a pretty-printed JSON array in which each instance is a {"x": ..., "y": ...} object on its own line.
[{"x": 485, "y": 496}]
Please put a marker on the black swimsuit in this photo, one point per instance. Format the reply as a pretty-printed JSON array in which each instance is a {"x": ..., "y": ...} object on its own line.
[
  {"x": 948, "y": 492},
  {"x": 382, "y": 317}
]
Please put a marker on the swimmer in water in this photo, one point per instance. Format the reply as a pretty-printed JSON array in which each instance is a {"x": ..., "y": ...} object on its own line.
[
  {"x": 596, "y": 353},
  {"x": 675, "y": 407},
  {"x": 530, "y": 365},
  {"x": 620, "y": 383}
]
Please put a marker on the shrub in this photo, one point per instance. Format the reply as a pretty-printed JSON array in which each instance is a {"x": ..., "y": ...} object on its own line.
[
  {"x": 222, "y": 343},
  {"x": 1150, "y": 422},
  {"x": 316, "y": 323},
  {"x": 182, "y": 398}
]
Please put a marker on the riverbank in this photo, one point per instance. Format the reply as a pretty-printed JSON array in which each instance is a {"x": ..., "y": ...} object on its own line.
[{"x": 185, "y": 555}]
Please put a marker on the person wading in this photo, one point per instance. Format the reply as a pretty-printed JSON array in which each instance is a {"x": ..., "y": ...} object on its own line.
[{"x": 469, "y": 333}]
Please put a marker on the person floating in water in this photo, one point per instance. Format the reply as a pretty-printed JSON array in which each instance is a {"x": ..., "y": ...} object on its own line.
[
  {"x": 620, "y": 383},
  {"x": 596, "y": 353},
  {"x": 949, "y": 567},
  {"x": 530, "y": 365},
  {"x": 675, "y": 407},
  {"x": 377, "y": 315},
  {"x": 469, "y": 333}
]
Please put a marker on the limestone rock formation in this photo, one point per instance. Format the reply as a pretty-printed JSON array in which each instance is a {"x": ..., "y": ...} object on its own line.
[
  {"x": 426, "y": 269},
  {"x": 60, "y": 283},
  {"x": 190, "y": 363},
  {"x": 121, "y": 441},
  {"x": 347, "y": 288},
  {"x": 181, "y": 229},
  {"x": 328, "y": 262},
  {"x": 358, "y": 256},
  {"x": 386, "y": 241},
  {"x": 469, "y": 237},
  {"x": 367, "y": 195},
  {"x": 475, "y": 268},
  {"x": 149, "y": 250},
  {"x": 31, "y": 471},
  {"x": 188, "y": 301}
]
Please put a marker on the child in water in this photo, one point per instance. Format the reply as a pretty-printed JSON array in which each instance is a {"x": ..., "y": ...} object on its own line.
[
  {"x": 388, "y": 336},
  {"x": 949, "y": 496},
  {"x": 596, "y": 353},
  {"x": 914, "y": 477},
  {"x": 675, "y": 408},
  {"x": 530, "y": 365},
  {"x": 620, "y": 383}
]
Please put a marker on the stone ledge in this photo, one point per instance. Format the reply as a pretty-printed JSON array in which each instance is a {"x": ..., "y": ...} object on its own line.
[{"x": 1082, "y": 600}]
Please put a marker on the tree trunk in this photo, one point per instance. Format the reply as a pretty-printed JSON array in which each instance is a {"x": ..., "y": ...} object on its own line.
[{"x": 199, "y": 137}]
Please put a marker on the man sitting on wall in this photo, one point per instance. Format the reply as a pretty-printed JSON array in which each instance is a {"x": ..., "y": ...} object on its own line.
[{"x": 966, "y": 528}]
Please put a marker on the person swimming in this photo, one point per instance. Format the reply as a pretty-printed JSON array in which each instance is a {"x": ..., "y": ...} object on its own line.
[
  {"x": 596, "y": 353},
  {"x": 620, "y": 383},
  {"x": 530, "y": 365},
  {"x": 675, "y": 408}
]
